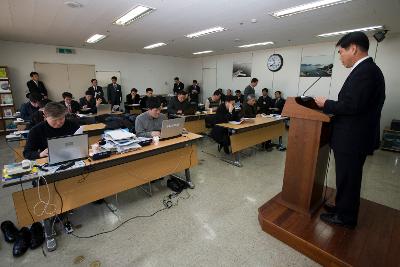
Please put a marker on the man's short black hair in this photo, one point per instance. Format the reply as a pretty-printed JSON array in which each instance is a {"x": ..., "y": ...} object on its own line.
[
  {"x": 66, "y": 94},
  {"x": 264, "y": 89},
  {"x": 279, "y": 92},
  {"x": 182, "y": 92},
  {"x": 33, "y": 73},
  {"x": 194, "y": 81},
  {"x": 153, "y": 102},
  {"x": 92, "y": 80},
  {"x": 254, "y": 80},
  {"x": 358, "y": 38},
  {"x": 114, "y": 78},
  {"x": 229, "y": 98},
  {"x": 34, "y": 97},
  {"x": 238, "y": 91},
  {"x": 88, "y": 92},
  {"x": 134, "y": 90},
  {"x": 149, "y": 90},
  {"x": 176, "y": 79},
  {"x": 217, "y": 92}
]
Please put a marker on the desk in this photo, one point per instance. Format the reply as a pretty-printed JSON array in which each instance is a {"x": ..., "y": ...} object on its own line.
[
  {"x": 248, "y": 134},
  {"x": 133, "y": 109},
  {"x": 194, "y": 123}
]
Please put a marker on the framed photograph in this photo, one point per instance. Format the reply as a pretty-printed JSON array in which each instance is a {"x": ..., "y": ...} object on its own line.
[
  {"x": 6, "y": 99},
  {"x": 241, "y": 70},
  {"x": 7, "y": 112},
  {"x": 4, "y": 86},
  {"x": 316, "y": 66}
]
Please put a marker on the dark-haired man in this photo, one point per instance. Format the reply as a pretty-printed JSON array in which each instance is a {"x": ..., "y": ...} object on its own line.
[
  {"x": 194, "y": 92},
  {"x": 114, "y": 92},
  {"x": 239, "y": 97},
  {"x": 97, "y": 91},
  {"x": 88, "y": 104},
  {"x": 179, "y": 104},
  {"x": 54, "y": 125},
  {"x": 72, "y": 106},
  {"x": 264, "y": 102},
  {"x": 133, "y": 97},
  {"x": 148, "y": 124},
  {"x": 36, "y": 86},
  {"x": 278, "y": 103},
  {"x": 249, "y": 90},
  {"x": 355, "y": 125},
  {"x": 29, "y": 108},
  {"x": 143, "y": 101},
  {"x": 178, "y": 86},
  {"x": 214, "y": 101}
]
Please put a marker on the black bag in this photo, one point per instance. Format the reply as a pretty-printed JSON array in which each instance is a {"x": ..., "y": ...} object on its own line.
[{"x": 176, "y": 185}]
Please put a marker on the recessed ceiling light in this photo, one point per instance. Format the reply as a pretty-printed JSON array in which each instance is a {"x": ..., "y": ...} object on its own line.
[
  {"x": 203, "y": 52},
  {"x": 307, "y": 7},
  {"x": 366, "y": 29},
  {"x": 95, "y": 38},
  {"x": 154, "y": 45},
  {"x": 256, "y": 44},
  {"x": 205, "y": 32},
  {"x": 134, "y": 14},
  {"x": 73, "y": 4}
]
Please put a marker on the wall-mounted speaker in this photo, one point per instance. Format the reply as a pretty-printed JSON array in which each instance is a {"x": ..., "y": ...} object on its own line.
[{"x": 379, "y": 36}]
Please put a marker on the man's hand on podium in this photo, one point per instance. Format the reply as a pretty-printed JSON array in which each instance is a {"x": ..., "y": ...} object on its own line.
[{"x": 320, "y": 101}]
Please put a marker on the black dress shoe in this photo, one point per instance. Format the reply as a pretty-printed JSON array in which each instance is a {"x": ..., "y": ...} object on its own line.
[
  {"x": 22, "y": 242},
  {"x": 37, "y": 234},
  {"x": 329, "y": 208},
  {"x": 333, "y": 218},
  {"x": 9, "y": 230}
]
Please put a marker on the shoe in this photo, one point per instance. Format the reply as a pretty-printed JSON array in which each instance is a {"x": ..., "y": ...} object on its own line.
[
  {"x": 281, "y": 148},
  {"x": 226, "y": 149},
  {"x": 68, "y": 228},
  {"x": 333, "y": 218},
  {"x": 22, "y": 242},
  {"x": 37, "y": 234},
  {"x": 190, "y": 184},
  {"x": 329, "y": 208},
  {"x": 219, "y": 148},
  {"x": 9, "y": 230}
]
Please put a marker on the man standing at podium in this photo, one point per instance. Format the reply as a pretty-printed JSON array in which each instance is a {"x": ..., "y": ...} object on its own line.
[{"x": 355, "y": 126}]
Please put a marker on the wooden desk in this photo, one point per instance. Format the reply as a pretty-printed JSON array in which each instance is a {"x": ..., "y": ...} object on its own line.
[
  {"x": 194, "y": 123},
  {"x": 248, "y": 134},
  {"x": 109, "y": 176}
]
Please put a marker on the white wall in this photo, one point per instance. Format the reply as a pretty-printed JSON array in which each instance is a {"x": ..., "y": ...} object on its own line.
[
  {"x": 137, "y": 70},
  {"x": 288, "y": 81}
]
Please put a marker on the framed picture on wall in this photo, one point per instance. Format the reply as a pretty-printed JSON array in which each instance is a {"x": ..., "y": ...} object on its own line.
[
  {"x": 4, "y": 86},
  {"x": 7, "y": 112},
  {"x": 316, "y": 66}
]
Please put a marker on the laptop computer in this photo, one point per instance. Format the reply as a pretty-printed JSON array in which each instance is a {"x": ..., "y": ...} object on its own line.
[
  {"x": 191, "y": 110},
  {"x": 104, "y": 109},
  {"x": 68, "y": 148},
  {"x": 172, "y": 128}
]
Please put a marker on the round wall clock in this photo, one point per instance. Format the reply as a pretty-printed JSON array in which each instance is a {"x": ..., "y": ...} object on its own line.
[{"x": 275, "y": 62}]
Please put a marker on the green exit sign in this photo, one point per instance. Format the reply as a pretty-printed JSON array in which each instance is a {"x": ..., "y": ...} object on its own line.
[{"x": 67, "y": 51}]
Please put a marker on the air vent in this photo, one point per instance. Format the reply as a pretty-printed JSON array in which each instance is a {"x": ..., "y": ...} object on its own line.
[{"x": 66, "y": 51}]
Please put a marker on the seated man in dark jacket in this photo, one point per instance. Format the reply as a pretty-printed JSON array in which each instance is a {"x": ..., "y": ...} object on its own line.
[
  {"x": 264, "y": 102},
  {"x": 88, "y": 104},
  {"x": 179, "y": 104},
  {"x": 28, "y": 108},
  {"x": 133, "y": 97},
  {"x": 71, "y": 105},
  {"x": 143, "y": 101},
  {"x": 249, "y": 109},
  {"x": 55, "y": 125},
  {"x": 225, "y": 113},
  {"x": 277, "y": 103}
]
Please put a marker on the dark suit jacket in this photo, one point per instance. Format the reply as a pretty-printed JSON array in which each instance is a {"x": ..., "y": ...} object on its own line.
[
  {"x": 39, "y": 88},
  {"x": 264, "y": 104},
  {"x": 356, "y": 125},
  {"x": 239, "y": 99},
  {"x": 174, "y": 105},
  {"x": 249, "y": 111},
  {"x": 130, "y": 101},
  {"x": 98, "y": 93},
  {"x": 89, "y": 104},
  {"x": 178, "y": 87},
  {"x": 114, "y": 95},
  {"x": 220, "y": 134},
  {"x": 278, "y": 104},
  {"x": 193, "y": 96},
  {"x": 75, "y": 107}
]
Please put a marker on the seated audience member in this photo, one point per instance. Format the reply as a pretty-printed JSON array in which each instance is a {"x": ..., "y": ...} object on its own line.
[
  {"x": 214, "y": 101},
  {"x": 71, "y": 105},
  {"x": 143, "y": 101},
  {"x": 88, "y": 104},
  {"x": 222, "y": 94},
  {"x": 133, "y": 97},
  {"x": 54, "y": 125},
  {"x": 239, "y": 97},
  {"x": 229, "y": 92},
  {"x": 225, "y": 113},
  {"x": 249, "y": 109},
  {"x": 38, "y": 116},
  {"x": 264, "y": 102},
  {"x": 28, "y": 108},
  {"x": 194, "y": 92},
  {"x": 179, "y": 104},
  {"x": 97, "y": 91},
  {"x": 277, "y": 103},
  {"x": 148, "y": 124},
  {"x": 36, "y": 86}
]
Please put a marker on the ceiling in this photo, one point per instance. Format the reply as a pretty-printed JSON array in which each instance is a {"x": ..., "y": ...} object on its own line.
[{"x": 54, "y": 23}]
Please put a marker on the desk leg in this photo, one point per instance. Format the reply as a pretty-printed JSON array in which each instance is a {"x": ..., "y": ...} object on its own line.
[
  {"x": 281, "y": 147},
  {"x": 51, "y": 243},
  {"x": 236, "y": 160},
  {"x": 187, "y": 178},
  {"x": 149, "y": 192}
]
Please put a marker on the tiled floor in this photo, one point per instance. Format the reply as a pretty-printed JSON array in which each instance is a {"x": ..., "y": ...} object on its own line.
[{"x": 216, "y": 226}]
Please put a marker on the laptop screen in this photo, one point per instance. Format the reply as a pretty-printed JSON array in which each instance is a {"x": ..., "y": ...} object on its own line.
[{"x": 68, "y": 148}]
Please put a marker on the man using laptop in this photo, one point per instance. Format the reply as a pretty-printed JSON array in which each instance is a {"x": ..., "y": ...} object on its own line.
[
  {"x": 55, "y": 125},
  {"x": 149, "y": 123},
  {"x": 179, "y": 104}
]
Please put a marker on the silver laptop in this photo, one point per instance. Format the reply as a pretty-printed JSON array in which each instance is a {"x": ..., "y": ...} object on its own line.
[
  {"x": 104, "y": 109},
  {"x": 68, "y": 148},
  {"x": 172, "y": 128}
]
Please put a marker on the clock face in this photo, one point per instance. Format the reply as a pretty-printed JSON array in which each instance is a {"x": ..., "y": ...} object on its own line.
[{"x": 275, "y": 62}]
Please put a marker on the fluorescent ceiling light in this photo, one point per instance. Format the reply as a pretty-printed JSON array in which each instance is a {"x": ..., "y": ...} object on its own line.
[
  {"x": 203, "y": 52},
  {"x": 307, "y": 7},
  {"x": 366, "y": 29},
  {"x": 205, "y": 32},
  {"x": 257, "y": 44},
  {"x": 95, "y": 38},
  {"x": 136, "y": 13},
  {"x": 154, "y": 45}
]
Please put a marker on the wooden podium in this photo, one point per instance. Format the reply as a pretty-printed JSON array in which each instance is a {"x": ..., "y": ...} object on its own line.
[
  {"x": 306, "y": 157},
  {"x": 292, "y": 216}
]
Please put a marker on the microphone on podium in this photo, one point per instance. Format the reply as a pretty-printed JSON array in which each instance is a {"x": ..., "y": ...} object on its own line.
[{"x": 303, "y": 97}]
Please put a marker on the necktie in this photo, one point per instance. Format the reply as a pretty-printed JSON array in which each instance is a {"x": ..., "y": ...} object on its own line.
[{"x": 69, "y": 109}]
